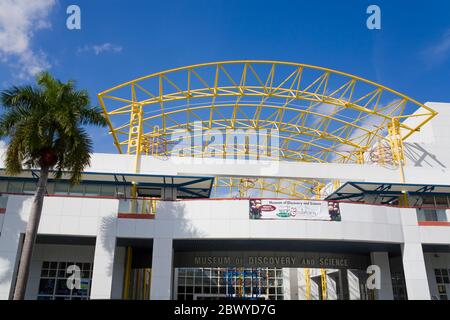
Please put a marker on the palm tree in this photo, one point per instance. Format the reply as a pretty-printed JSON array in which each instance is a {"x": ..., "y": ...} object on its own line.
[{"x": 44, "y": 125}]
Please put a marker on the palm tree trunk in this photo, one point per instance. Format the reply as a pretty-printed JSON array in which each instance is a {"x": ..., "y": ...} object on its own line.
[{"x": 30, "y": 236}]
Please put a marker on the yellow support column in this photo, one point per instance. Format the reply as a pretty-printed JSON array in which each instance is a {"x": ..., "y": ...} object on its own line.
[
  {"x": 336, "y": 184},
  {"x": 360, "y": 156},
  {"x": 318, "y": 189},
  {"x": 134, "y": 204},
  {"x": 153, "y": 206},
  {"x": 149, "y": 282},
  {"x": 323, "y": 279},
  {"x": 308, "y": 285},
  {"x": 398, "y": 154},
  {"x": 396, "y": 142},
  {"x": 403, "y": 200},
  {"x": 135, "y": 133},
  {"x": 126, "y": 285},
  {"x": 144, "y": 295},
  {"x": 136, "y": 142}
]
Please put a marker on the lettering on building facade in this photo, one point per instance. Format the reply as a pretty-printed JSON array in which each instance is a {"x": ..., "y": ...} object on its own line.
[{"x": 258, "y": 259}]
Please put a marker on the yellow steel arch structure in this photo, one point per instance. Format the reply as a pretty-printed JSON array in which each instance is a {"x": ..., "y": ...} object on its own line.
[
  {"x": 261, "y": 188},
  {"x": 318, "y": 114}
]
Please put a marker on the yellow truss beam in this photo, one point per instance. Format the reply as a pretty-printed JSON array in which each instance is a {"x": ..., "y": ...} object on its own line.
[{"x": 321, "y": 115}]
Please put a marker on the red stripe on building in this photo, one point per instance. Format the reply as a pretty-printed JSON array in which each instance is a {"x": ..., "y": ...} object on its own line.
[
  {"x": 434, "y": 223},
  {"x": 136, "y": 216}
]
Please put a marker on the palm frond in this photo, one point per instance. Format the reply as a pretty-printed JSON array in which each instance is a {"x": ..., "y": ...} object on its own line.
[{"x": 51, "y": 116}]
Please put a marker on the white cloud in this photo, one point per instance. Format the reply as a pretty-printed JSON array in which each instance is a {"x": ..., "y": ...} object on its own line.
[
  {"x": 438, "y": 52},
  {"x": 19, "y": 20},
  {"x": 323, "y": 109},
  {"x": 101, "y": 48}
]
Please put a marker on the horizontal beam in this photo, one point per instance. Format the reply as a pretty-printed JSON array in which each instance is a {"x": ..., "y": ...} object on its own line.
[
  {"x": 176, "y": 166},
  {"x": 194, "y": 167}
]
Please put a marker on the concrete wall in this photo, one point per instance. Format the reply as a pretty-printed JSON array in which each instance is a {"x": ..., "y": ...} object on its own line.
[
  {"x": 221, "y": 219},
  {"x": 229, "y": 219},
  {"x": 428, "y": 148},
  {"x": 60, "y": 216},
  {"x": 118, "y": 273}
]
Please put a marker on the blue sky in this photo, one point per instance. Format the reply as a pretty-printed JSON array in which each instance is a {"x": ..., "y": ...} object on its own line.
[{"x": 122, "y": 40}]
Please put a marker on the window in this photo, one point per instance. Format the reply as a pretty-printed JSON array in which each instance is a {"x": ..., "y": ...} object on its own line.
[
  {"x": 92, "y": 190},
  {"x": 431, "y": 215},
  {"x": 436, "y": 201},
  {"x": 53, "y": 281},
  {"x": 3, "y": 186},
  {"x": 85, "y": 189},
  {"x": 61, "y": 187},
  {"x": 77, "y": 189},
  {"x": 241, "y": 283},
  {"x": 442, "y": 280},
  {"x": 3, "y": 202},
  {"x": 15, "y": 187},
  {"x": 441, "y": 201},
  {"x": 398, "y": 286},
  {"x": 29, "y": 187},
  {"x": 108, "y": 190}
]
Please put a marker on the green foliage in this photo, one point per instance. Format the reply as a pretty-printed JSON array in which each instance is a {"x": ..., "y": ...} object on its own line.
[{"x": 47, "y": 118}]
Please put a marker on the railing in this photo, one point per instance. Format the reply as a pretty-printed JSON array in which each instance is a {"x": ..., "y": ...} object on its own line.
[
  {"x": 137, "y": 206},
  {"x": 146, "y": 206}
]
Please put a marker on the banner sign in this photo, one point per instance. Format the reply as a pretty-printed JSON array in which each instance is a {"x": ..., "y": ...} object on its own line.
[{"x": 294, "y": 210}]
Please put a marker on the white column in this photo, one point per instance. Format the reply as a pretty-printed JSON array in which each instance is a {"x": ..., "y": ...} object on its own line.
[
  {"x": 162, "y": 268},
  {"x": 294, "y": 285},
  {"x": 301, "y": 282},
  {"x": 105, "y": 247},
  {"x": 9, "y": 247},
  {"x": 331, "y": 286},
  {"x": 287, "y": 275},
  {"x": 415, "y": 272},
  {"x": 381, "y": 259},
  {"x": 118, "y": 273},
  {"x": 344, "y": 293},
  {"x": 315, "y": 289},
  {"x": 412, "y": 257},
  {"x": 353, "y": 286}
]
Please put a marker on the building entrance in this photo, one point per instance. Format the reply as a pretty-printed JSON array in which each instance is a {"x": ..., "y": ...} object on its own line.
[
  {"x": 218, "y": 283},
  {"x": 275, "y": 270},
  {"x": 272, "y": 275}
]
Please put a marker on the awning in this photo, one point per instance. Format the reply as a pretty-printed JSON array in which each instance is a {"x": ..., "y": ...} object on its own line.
[
  {"x": 384, "y": 193},
  {"x": 147, "y": 185}
]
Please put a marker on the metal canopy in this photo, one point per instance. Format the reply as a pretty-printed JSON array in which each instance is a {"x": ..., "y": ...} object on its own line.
[
  {"x": 147, "y": 185},
  {"x": 317, "y": 114},
  {"x": 384, "y": 193}
]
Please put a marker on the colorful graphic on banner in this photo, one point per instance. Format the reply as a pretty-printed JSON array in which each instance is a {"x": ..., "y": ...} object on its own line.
[{"x": 294, "y": 210}]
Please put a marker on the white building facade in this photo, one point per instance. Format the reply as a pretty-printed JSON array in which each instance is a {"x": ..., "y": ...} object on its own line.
[{"x": 184, "y": 248}]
